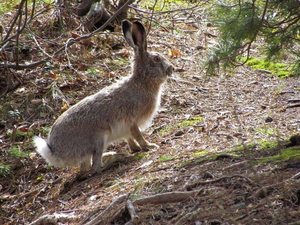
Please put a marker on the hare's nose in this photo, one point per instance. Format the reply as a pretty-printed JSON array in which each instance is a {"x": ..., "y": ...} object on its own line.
[{"x": 170, "y": 70}]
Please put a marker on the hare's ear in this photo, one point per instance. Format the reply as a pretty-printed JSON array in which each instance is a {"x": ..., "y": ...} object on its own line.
[
  {"x": 135, "y": 35},
  {"x": 126, "y": 27},
  {"x": 139, "y": 36}
]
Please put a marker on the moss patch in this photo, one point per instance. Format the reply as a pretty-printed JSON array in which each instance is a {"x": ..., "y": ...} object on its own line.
[
  {"x": 201, "y": 153},
  {"x": 284, "y": 155},
  {"x": 186, "y": 123},
  {"x": 278, "y": 69},
  {"x": 166, "y": 158}
]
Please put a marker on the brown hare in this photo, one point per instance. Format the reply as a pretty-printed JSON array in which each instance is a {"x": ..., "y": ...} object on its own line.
[{"x": 81, "y": 134}]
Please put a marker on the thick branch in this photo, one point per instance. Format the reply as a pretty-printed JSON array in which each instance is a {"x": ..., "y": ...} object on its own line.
[{"x": 166, "y": 198}]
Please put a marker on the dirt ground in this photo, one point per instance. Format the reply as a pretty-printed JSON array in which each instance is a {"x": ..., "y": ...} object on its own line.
[{"x": 224, "y": 158}]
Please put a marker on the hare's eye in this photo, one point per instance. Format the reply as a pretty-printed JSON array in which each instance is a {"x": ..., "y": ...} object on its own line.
[{"x": 157, "y": 58}]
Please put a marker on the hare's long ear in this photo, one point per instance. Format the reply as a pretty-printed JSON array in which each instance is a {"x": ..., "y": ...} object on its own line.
[
  {"x": 126, "y": 27},
  {"x": 135, "y": 35},
  {"x": 139, "y": 36}
]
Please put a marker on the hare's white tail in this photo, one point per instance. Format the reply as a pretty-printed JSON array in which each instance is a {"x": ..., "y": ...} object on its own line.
[{"x": 44, "y": 150}]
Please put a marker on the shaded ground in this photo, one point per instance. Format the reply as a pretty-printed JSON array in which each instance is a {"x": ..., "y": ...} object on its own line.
[{"x": 224, "y": 136}]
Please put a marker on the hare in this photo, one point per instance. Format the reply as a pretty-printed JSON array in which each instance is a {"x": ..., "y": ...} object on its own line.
[{"x": 81, "y": 134}]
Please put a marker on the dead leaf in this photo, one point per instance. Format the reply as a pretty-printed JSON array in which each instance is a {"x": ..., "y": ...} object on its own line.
[
  {"x": 64, "y": 107},
  {"x": 23, "y": 128},
  {"x": 123, "y": 53},
  {"x": 75, "y": 35},
  {"x": 174, "y": 53},
  {"x": 53, "y": 75}
]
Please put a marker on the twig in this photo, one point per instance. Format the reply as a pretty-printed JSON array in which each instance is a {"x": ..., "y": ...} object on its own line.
[
  {"x": 293, "y": 106},
  {"x": 195, "y": 184},
  {"x": 38, "y": 45},
  {"x": 166, "y": 197},
  {"x": 235, "y": 164}
]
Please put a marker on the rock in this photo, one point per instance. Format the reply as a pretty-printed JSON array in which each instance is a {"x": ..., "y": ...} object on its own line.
[{"x": 269, "y": 119}]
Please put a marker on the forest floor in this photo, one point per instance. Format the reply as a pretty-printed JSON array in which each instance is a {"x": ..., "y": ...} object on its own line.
[{"x": 225, "y": 154}]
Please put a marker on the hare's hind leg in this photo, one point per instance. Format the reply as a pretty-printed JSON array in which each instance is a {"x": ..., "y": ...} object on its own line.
[
  {"x": 133, "y": 145},
  {"x": 137, "y": 135},
  {"x": 85, "y": 165},
  {"x": 97, "y": 156}
]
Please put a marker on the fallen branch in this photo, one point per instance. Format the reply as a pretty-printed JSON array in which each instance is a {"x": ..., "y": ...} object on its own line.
[
  {"x": 54, "y": 219},
  {"x": 134, "y": 217},
  {"x": 235, "y": 165},
  {"x": 106, "y": 216},
  {"x": 166, "y": 197}
]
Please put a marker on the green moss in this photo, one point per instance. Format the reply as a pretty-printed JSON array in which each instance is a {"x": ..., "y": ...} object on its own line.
[
  {"x": 186, "y": 123},
  {"x": 266, "y": 131},
  {"x": 166, "y": 158},
  {"x": 191, "y": 122},
  {"x": 267, "y": 144},
  {"x": 140, "y": 156},
  {"x": 166, "y": 130},
  {"x": 284, "y": 155},
  {"x": 201, "y": 153},
  {"x": 278, "y": 69},
  {"x": 184, "y": 163}
]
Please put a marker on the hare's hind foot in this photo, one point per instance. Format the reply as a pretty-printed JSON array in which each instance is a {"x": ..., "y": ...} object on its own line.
[
  {"x": 149, "y": 146},
  {"x": 138, "y": 139}
]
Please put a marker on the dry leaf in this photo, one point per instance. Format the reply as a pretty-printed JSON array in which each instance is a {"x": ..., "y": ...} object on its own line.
[
  {"x": 75, "y": 35},
  {"x": 53, "y": 75},
  {"x": 174, "y": 53},
  {"x": 64, "y": 107},
  {"x": 23, "y": 129}
]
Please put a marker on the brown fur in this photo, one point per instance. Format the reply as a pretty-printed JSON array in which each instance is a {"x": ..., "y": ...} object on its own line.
[{"x": 117, "y": 112}]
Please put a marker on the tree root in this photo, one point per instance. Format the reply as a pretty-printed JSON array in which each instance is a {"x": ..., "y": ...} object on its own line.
[
  {"x": 166, "y": 197},
  {"x": 108, "y": 215}
]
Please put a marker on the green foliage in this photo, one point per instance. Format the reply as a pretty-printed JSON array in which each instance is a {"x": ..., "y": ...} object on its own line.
[
  {"x": 241, "y": 23},
  {"x": 5, "y": 170},
  {"x": 17, "y": 153},
  {"x": 161, "y": 6}
]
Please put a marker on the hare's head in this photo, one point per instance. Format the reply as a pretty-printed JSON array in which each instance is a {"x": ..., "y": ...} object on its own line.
[{"x": 147, "y": 65}]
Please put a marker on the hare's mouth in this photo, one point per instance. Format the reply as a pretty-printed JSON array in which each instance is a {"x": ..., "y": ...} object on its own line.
[{"x": 170, "y": 70}]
